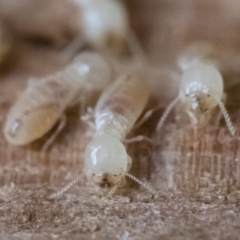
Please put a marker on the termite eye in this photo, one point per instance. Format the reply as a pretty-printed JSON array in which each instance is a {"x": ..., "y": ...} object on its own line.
[
  {"x": 187, "y": 95},
  {"x": 115, "y": 175},
  {"x": 93, "y": 174},
  {"x": 208, "y": 95}
]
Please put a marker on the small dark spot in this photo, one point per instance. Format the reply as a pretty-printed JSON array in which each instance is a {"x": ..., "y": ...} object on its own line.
[{"x": 105, "y": 182}]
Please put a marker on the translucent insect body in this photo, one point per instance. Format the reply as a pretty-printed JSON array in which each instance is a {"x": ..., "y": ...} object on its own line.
[
  {"x": 44, "y": 101},
  {"x": 106, "y": 160},
  {"x": 200, "y": 92}
]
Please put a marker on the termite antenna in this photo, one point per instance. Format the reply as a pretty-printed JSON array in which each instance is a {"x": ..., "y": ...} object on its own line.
[
  {"x": 167, "y": 111},
  {"x": 226, "y": 116},
  {"x": 146, "y": 186},
  {"x": 63, "y": 190}
]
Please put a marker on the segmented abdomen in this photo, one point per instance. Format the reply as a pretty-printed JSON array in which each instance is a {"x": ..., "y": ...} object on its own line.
[{"x": 121, "y": 104}]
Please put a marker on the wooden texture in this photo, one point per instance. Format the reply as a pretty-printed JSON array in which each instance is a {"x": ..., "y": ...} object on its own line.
[{"x": 196, "y": 173}]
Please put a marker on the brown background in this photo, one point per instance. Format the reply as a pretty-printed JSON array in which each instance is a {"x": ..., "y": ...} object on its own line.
[{"x": 196, "y": 174}]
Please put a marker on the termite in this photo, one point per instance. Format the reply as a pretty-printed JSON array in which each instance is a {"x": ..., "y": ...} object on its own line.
[
  {"x": 104, "y": 24},
  {"x": 44, "y": 101},
  {"x": 106, "y": 160},
  {"x": 201, "y": 90}
]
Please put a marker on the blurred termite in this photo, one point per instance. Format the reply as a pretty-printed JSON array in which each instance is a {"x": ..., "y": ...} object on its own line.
[
  {"x": 44, "y": 101},
  {"x": 106, "y": 160},
  {"x": 201, "y": 88},
  {"x": 104, "y": 24}
]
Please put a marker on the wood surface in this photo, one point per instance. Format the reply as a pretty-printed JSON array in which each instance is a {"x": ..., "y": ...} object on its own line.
[{"x": 196, "y": 173}]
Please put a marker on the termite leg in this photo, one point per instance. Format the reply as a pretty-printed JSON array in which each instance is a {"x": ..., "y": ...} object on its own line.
[
  {"x": 61, "y": 125},
  {"x": 138, "y": 139},
  {"x": 88, "y": 118},
  {"x": 145, "y": 117}
]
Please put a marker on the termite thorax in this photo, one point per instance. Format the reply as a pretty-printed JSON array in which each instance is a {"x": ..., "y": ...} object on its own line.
[{"x": 111, "y": 124}]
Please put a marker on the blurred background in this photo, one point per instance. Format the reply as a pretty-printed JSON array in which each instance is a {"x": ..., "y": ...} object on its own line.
[{"x": 198, "y": 180}]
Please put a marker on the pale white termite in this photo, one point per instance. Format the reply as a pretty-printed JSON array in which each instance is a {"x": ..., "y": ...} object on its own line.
[
  {"x": 106, "y": 159},
  {"x": 201, "y": 90},
  {"x": 104, "y": 24},
  {"x": 44, "y": 101}
]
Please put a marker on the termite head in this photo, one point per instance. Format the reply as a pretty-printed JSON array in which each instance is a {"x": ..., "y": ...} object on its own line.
[
  {"x": 106, "y": 162},
  {"x": 24, "y": 126},
  {"x": 201, "y": 86},
  {"x": 199, "y": 107}
]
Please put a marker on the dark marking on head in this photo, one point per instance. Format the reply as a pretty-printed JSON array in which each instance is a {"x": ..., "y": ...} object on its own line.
[{"x": 105, "y": 182}]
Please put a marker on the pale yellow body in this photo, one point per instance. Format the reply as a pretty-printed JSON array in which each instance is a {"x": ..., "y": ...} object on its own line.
[
  {"x": 44, "y": 101},
  {"x": 119, "y": 107}
]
